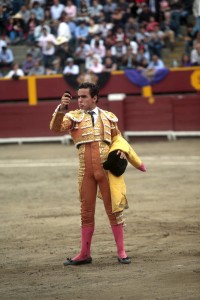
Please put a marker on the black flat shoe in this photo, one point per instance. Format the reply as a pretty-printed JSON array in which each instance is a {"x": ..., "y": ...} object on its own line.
[
  {"x": 125, "y": 260},
  {"x": 71, "y": 262}
]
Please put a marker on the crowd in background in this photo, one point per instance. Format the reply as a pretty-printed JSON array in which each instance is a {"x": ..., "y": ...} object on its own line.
[{"x": 94, "y": 36}]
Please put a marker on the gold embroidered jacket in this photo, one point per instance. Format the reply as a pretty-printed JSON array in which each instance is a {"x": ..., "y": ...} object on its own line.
[{"x": 79, "y": 124}]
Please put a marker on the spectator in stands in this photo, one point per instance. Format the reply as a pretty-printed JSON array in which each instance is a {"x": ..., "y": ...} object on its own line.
[
  {"x": 71, "y": 10},
  {"x": 195, "y": 55},
  {"x": 96, "y": 66},
  {"x": 82, "y": 52},
  {"x": 38, "y": 11},
  {"x": 109, "y": 65},
  {"x": 6, "y": 57},
  {"x": 15, "y": 29},
  {"x": 71, "y": 68},
  {"x": 25, "y": 13},
  {"x": 36, "y": 51},
  {"x": 142, "y": 53},
  {"x": 32, "y": 24},
  {"x": 63, "y": 28},
  {"x": 118, "y": 51},
  {"x": 47, "y": 42},
  {"x": 56, "y": 9},
  {"x": 176, "y": 8},
  {"x": 129, "y": 60},
  {"x": 143, "y": 64},
  {"x": 109, "y": 8},
  {"x": 38, "y": 29},
  {"x": 104, "y": 28},
  {"x": 189, "y": 38},
  {"x": 185, "y": 60},
  {"x": 145, "y": 15},
  {"x": 83, "y": 13},
  {"x": 155, "y": 44},
  {"x": 28, "y": 63},
  {"x": 99, "y": 49},
  {"x": 62, "y": 50},
  {"x": 4, "y": 15},
  {"x": 117, "y": 18},
  {"x": 37, "y": 69},
  {"x": 15, "y": 73},
  {"x": 55, "y": 67},
  {"x": 95, "y": 10},
  {"x": 196, "y": 12},
  {"x": 93, "y": 28},
  {"x": 110, "y": 39},
  {"x": 81, "y": 31},
  {"x": 156, "y": 63}
]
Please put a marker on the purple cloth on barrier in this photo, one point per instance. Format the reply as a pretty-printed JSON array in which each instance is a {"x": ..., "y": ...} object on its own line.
[{"x": 138, "y": 77}]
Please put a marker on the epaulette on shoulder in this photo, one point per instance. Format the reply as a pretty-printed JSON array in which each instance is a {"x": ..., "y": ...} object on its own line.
[
  {"x": 110, "y": 115},
  {"x": 76, "y": 115}
]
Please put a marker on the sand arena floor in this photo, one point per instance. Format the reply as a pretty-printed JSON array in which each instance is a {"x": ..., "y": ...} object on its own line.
[{"x": 40, "y": 226}]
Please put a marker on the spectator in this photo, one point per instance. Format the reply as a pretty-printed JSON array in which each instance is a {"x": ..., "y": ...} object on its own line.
[
  {"x": 145, "y": 15},
  {"x": 32, "y": 24},
  {"x": 93, "y": 28},
  {"x": 109, "y": 65},
  {"x": 25, "y": 13},
  {"x": 6, "y": 57},
  {"x": 129, "y": 60},
  {"x": 63, "y": 28},
  {"x": 15, "y": 29},
  {"x": 81, "y": 31},
  {"x": 99, "y": 49},
  {"x": 118, "y": 51},
  {"x": 71, "y": 68},
  {"x": 62, "y": 50},
  {"x": 38, "y": 11},
  {"x": 196, "y": 13},
  {"x": 47, "y": 43},
  {"x": 155, "y": 45},
  {"x": 109, "y": 8},
  {"x": 95, "y": 10},
  {"x": 143, "y": 64},
  {"x": 15, "y": 73},
  {"x": 54, "y": 68},
  {"x": 71, "y": 10},
  {"x": 82, "y": 52},
  {"x": 38, "y": 29},
  {"x": 195, "y": 55},
  {"x": 28, "y": 63},
  {"x": 83, "y": 13},
  {"x": 117, "y": 18},
  {"x": 185, "y": 60},
  {"x": 37, "y": 69},
  {"x": 156, "y": 63},
  {"x": 35, "y": 50},
  {"x": 189, "y": 38},
  {"x": 104, "y": 28},
  {"x": 56, "y": 9},
  {"x": 96, "y": 66}
]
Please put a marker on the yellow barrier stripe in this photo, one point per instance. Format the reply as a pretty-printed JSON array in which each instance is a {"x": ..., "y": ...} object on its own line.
[{"x": 32, "y": 90}]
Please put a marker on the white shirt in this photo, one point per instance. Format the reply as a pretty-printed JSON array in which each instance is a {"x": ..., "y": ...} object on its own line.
[
  {"x": 71, "y": 70},
  {"x": 96, "y": 113},
  {"x": 56, "y": 11}
]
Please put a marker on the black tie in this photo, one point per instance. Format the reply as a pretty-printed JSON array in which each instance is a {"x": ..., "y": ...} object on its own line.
[{"x": 91, "y": 113}]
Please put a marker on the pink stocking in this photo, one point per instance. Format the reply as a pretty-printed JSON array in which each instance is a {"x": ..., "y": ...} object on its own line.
[
  {"x": 118, "y": 233},
  {"x": 86, "y": 238}
]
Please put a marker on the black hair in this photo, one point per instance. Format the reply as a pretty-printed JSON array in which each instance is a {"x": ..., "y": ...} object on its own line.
[{"x": 93, "y": 88}]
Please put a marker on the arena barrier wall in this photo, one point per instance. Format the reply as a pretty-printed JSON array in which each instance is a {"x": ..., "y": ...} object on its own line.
[{"x": 171, "y": 109}]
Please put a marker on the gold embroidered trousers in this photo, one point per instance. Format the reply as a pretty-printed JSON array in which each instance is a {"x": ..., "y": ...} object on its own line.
[{"x": 91, "y": 177}]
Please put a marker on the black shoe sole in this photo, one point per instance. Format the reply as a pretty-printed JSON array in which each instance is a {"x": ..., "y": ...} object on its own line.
[
  {"x": 70, "y": 262},
  {"x": 124, "y": 261}
]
